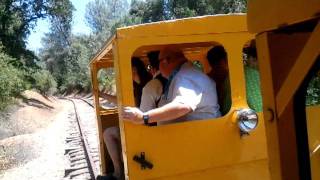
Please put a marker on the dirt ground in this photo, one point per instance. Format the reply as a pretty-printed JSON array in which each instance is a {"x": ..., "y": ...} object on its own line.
[{"x": 32, "y": 136}]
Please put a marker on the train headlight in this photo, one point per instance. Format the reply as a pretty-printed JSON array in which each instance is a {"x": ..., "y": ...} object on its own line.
[{"x": 247, "y": 120}]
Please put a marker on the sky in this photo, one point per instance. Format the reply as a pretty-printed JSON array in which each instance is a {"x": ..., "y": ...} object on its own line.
[{"x": 78, "y": 26}]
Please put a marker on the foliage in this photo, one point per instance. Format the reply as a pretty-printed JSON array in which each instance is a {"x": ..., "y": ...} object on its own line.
[
  {"x": 56, "y": 44},
  {"x": 313, "y": 91},
  {"x": 19, "y": 67},
  {"x": 107, "y": 80},
  {"x": 77, "y": 65},
  {"x": 54, "y": 55},
  {"x": 11, "y": 80},
  {"x": 102, "y": 14},
  {"x": 158, "y": 10},
  {"x": 44, "y": 82},
  {"x": 18, "y": 18}
]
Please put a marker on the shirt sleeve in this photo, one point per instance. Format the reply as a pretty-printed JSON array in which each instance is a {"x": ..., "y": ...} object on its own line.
[
  {"x": 187, "y": 92},
  {"x": 150, "y": 94}
]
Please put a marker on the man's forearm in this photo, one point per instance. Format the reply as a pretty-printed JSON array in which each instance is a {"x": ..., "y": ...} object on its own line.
[{"x": 168, "y": 112}]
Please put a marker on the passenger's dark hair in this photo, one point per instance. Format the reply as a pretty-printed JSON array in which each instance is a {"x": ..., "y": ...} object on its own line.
[
  {"x": 154, "y": 59},
  {"x": 141, "y": 70},
  {"x": 216, "y": 54},
  {"x": 251, "y": 50},
  {"x": 144, "y": 77}
]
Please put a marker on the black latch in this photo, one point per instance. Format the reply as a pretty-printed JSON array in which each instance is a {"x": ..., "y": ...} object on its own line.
[{"x": 142, "y": 161}]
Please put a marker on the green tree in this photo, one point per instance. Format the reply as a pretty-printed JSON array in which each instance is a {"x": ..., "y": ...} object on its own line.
[
  {"x": 102, "y": 14},
  {"x": 56, "y": 43},
  {"x": 11, "y": 80},
  {"x": 149, "y": 10},
  {"x": 78, "y": 76},
  {"x": 44, "y": 82},
  {"x": 18, "y": 18},
  {"x": 158, "y": 10}
]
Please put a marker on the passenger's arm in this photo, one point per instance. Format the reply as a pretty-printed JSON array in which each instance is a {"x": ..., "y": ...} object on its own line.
[
  {"x": 108, "y": 97},
  {"x": 167, "y": 112}
]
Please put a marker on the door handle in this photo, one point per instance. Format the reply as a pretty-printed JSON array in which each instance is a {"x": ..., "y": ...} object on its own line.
[{"x": 142, "y": 161}]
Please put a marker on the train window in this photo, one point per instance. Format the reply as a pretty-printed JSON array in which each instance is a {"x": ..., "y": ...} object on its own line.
[
  {"x": 252, "y": 77},
  {"x": 210, "y": 58},
  {"x": 107, "y": 88}
]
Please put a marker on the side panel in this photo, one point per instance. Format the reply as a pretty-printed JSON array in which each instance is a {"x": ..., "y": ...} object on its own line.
[{"x": 204, "y": 149}]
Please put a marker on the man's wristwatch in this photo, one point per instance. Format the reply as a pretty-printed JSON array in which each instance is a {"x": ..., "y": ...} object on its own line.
[{"x": 145, "y": 118}]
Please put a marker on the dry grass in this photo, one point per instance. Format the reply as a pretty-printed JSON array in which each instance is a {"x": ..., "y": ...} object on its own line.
[{"x": 31, "y": 136}]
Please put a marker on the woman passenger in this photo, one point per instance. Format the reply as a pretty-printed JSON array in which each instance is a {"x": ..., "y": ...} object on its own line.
[{"x": 217, "y": 58}]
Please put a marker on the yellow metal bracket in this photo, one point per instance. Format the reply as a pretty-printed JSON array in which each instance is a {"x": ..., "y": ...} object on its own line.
[{"x": 301, "y": 67}]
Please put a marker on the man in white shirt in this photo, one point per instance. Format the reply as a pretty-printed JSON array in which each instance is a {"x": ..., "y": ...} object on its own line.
[{"x": 188, "y": 95}]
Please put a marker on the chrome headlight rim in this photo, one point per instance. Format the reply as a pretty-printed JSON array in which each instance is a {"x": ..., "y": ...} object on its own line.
[{"x": 245, "y": 116}]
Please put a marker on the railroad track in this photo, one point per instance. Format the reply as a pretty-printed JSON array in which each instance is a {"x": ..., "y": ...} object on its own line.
[{"x": 81, "y": 142}]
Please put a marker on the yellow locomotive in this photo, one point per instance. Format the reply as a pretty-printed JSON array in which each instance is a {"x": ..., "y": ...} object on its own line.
[
  {"x": 212, "y": 148},
  {"x": 285, "y": 144}
]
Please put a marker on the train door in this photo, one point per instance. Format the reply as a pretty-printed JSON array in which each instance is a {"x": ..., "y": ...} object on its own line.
[{"x": 289, "y": 67}]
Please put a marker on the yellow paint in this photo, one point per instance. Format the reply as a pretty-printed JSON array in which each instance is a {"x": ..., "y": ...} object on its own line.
[
  {"x": 266, "y": 15},
  {"x": 313, "y": 125},
  {"x": 269, "y": 105},
  {"x": 207, "y": 149}
]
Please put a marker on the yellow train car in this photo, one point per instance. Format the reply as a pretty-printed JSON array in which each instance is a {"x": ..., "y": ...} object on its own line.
[
  {"x": 206, "y": 149},
  {"x": 288, "y": 44}
]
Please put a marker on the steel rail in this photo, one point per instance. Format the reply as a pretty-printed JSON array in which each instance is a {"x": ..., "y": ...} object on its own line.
[{"x": 91, "y": 166}]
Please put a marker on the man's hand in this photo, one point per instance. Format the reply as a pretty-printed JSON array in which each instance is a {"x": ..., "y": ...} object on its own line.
[{"x": 132, "y": 114}]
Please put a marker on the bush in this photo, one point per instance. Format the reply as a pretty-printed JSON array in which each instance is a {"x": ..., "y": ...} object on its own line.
[
  {"x": 11, "y": 80},
  {"x": 44, "y": 82}
]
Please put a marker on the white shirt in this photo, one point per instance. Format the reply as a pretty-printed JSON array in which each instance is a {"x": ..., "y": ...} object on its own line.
[{"x": 194, "y": 88}]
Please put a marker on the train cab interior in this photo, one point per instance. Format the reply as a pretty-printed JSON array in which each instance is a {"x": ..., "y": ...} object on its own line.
[{"x": 206, "y": 149}]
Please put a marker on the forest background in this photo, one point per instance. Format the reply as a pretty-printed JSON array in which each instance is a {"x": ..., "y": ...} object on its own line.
[{"x": 61, "y": 65}]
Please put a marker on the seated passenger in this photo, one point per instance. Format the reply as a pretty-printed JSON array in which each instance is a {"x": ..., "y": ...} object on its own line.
[
  {"x": 217, "y": 58},
  {"x": 152, "y": 91},
  {"x": 140, "y": 78},
  {"x": 189, "y": 94}
]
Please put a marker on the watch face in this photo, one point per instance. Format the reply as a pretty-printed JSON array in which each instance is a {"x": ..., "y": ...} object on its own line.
[{"x": 145, "y": 119}]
